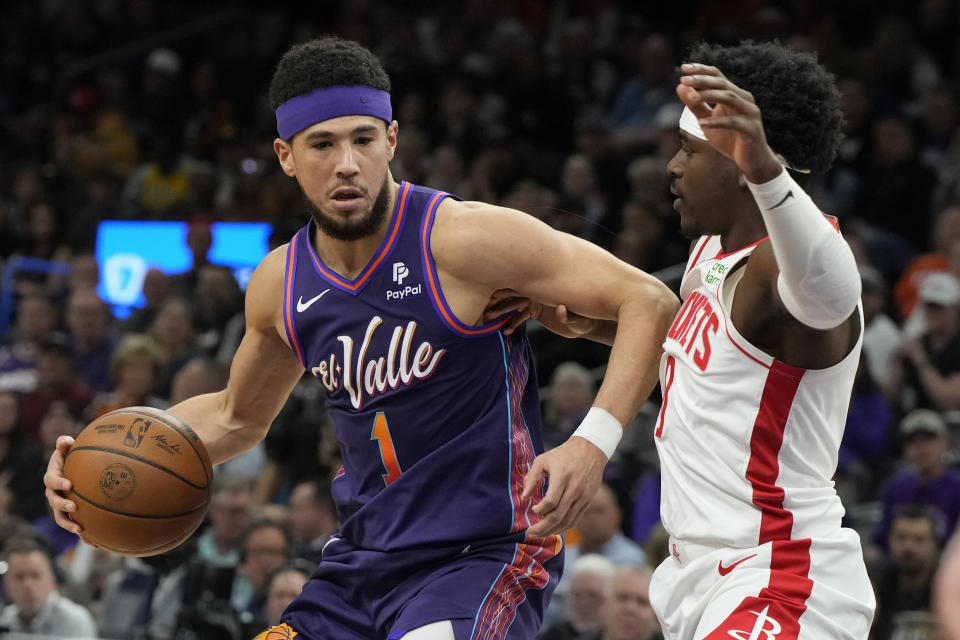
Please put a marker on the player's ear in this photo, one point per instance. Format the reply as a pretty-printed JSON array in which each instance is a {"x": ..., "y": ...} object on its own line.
[
  {"x": 392, "y": 129},
  {"x": 284, "y": 151}
]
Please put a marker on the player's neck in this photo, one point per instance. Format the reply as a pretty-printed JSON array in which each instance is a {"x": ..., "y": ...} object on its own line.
[
  {"x": 744, "y": 230},
  {"x": 349, "y": 257}
]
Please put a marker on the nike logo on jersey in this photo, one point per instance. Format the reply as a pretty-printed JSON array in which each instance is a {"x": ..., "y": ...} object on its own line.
[
  {"x": 725, "y": 570},
  {"x": 303, "y": 306},
  {"x": 785, "y": 198}
]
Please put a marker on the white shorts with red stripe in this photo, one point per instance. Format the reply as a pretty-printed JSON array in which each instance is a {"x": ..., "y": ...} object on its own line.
[{"x": 810, "y": 589}]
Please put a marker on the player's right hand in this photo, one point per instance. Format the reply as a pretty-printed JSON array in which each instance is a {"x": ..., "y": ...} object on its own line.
[{"x": 55, "y": 483}]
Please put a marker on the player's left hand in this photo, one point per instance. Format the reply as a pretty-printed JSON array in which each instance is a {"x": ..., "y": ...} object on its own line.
[
  {"x": 732, "y": 125},
  {"x": 575, "y": 470}
]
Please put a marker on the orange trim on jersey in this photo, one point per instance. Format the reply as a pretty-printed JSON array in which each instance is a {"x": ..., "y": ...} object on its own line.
[
  {"x": 441, "y": 304},
  {"x": 288, "y": 300},
  {"x": 384, "y": 250}
]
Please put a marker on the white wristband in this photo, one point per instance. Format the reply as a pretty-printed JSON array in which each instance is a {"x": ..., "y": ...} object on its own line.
[{"x": 602, "y": 429}]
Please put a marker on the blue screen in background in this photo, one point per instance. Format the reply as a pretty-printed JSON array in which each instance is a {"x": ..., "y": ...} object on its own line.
[{"x": 126, "y": 249}]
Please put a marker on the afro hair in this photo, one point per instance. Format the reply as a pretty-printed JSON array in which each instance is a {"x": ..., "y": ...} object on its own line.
[
  {"x": 798, "y": 98},
  {"x": 325, "y": 62}
]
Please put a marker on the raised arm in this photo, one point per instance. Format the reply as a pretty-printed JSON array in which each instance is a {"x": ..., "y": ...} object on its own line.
[{"x": 815, "y": 274}]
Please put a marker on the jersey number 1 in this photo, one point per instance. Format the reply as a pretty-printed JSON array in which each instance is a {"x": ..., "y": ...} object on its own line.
[{"x": 381, "y": 433}]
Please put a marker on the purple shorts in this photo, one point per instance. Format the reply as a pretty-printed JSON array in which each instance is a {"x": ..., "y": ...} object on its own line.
[{"x": 489, "y": 591}]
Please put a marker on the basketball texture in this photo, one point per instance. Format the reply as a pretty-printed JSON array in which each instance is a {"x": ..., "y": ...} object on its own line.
[{"x": 141, "y": 481}]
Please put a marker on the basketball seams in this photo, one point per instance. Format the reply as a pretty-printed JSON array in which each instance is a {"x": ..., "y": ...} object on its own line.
[
  {"x": 87, "y": 447},
  {"x": 137, "y": 515},
  {"x": 179, "y": 425}
]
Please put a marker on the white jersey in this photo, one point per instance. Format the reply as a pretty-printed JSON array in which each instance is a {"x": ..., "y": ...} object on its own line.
[{"x": 747, "y": 444}]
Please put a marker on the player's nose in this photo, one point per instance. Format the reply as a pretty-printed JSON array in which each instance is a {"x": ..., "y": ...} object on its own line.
[{"x": 347, "y": 160}]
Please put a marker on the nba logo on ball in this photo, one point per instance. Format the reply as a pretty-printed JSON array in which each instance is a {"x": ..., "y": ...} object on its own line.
[
  {"x": 117, "y": 481},
  {"x": 139, "y": 426}
]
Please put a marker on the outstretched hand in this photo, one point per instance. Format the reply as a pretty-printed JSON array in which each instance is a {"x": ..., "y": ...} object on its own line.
[{"x": 733, "y": 125}]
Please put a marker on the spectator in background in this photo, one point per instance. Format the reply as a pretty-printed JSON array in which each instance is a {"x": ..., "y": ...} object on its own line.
[
  {"x": 927, "y": 480},
  {"x": 21, "y": 465},
  {"x": 629, "y": 615},
  {"x": 284, "y": 584},
  {"x": 174, "y": 330},
  {"x": 266, "y": 547},
  {"x": 199, "y": 241},
  {"x": 865, "y": 442},
  {"x": 56, "y": 382},
  {"x": 927, "y": 372},
  {"x": 591, "y": 582},
  {"x": 156, "y": 289},
  {"x": 45, "y": 237},
  {"x": 600, "y": 533},
  {"x": 882, "y": 335},
  {"x": 312, "y": 518},
  {"x": 35, "y": 605},
  {"x": 572, "y": 390},
  {"x": 894, "y": 192},
  {"x": 906, "y": 582},
  {"x": 229, "y": 515},
  {"x": 639, "y": 99},
  {"x": 217, "y": 304},
  {"x": 946, "y": 231},
  {"x": 88, "y": 322},
  {"x": 135, "y": 369},
  {"x": 35, "y": 318}
]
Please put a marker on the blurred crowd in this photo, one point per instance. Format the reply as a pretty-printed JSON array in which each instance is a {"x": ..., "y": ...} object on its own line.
[{"x": 154, "y": 110}]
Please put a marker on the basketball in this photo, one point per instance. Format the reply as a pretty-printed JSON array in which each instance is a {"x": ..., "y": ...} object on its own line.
[{"x": 141, "y": 481}]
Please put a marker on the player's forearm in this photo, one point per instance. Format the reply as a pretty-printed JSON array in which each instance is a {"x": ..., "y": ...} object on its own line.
[
  {"x": 222, "y": 432},
  {"x": 818, "y": 282},
  {"x": 632, "y": 368}
]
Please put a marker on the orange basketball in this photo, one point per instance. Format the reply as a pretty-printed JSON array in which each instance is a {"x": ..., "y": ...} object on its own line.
[{"x": 141, "y": 481}]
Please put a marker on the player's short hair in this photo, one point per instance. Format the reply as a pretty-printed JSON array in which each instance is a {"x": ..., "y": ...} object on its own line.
[
  {"x": 325, "y": 62},
  {"x": 798, "y": 98}
]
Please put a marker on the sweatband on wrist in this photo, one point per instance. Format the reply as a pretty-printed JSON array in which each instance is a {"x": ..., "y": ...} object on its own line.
[
  {"x": 819, "y": 282},
  {"x": 300, "y": 112},
  {"x": 602, "y": 429}
]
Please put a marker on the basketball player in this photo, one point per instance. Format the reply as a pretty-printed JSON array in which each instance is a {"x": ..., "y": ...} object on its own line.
[
  {"x": 758, "y": 364},
  {"x": 446, "y": 531}
]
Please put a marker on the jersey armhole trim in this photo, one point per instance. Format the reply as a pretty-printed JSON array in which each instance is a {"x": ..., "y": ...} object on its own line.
[
  {"x": 288, "y": 278},
  {"x": 433, "y": 279}
]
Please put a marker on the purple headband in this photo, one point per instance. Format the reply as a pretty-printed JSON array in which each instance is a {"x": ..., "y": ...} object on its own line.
[{"x": 296, "y": 114}]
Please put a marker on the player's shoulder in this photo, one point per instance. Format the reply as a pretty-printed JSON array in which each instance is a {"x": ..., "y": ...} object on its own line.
[
  {"x": 265, "y": 289},
  {"x": 271, "y": 268}
]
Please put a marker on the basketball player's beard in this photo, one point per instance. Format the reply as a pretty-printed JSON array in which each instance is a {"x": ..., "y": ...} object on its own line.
[{"x": 367, "y": 226}]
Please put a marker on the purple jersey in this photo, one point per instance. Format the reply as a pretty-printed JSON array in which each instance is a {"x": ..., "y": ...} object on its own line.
[{"x": 437, "y": 421}]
